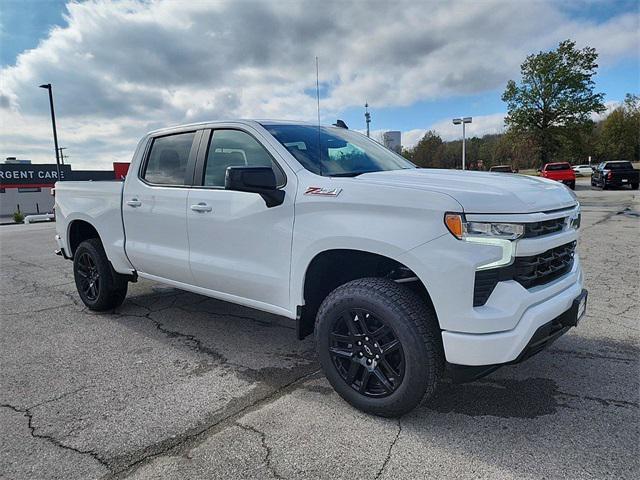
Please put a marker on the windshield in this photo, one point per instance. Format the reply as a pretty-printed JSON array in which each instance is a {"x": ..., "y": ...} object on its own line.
[{"x": 336, "y": 152}]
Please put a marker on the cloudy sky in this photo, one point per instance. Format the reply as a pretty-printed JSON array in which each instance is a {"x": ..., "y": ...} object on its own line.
[{"x": 121, "y": 68}]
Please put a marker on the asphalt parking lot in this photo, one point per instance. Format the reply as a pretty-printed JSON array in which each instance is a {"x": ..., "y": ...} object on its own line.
[{"x": 175, "y": 385}]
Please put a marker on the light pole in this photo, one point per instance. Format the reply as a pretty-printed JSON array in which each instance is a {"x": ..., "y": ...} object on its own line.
[
  {"x": 47, "y": 86},
  {"x": 62, "y": 155},
  {"x": 458, "y": 121}
]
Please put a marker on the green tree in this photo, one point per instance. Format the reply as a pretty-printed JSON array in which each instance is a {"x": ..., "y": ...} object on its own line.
[
  {"x": 428, "y": 151},
  {"x": 554, "y": 97},
  {"x": 619, "y": 133}
]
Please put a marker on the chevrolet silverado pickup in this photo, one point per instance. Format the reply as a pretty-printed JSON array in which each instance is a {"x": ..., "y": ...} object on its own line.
[
  {"x": 615, "y": 174},
  {"x": 560, "y": 172},
  {"x": 403, "y": 275}
]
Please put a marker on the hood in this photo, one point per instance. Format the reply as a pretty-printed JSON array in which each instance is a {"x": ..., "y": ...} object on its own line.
[{"x": 482, "y": 192}]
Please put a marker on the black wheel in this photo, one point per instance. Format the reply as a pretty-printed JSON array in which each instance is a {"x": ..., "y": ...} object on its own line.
[
  {"x": 634, "y": 186},
  {"x": 99, "y": 286},
  {"x": 572, "y": 185},
  {"x": 379, "y": 346}
]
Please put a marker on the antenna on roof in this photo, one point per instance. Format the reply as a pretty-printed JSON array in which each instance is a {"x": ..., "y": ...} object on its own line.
[{"x": 318, "y": 99}]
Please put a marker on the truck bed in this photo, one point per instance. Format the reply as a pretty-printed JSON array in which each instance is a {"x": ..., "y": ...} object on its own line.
[{"x": 100, "y": 204}]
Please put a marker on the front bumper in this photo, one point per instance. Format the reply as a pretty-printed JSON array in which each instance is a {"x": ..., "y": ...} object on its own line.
[
  {"x": 544, "y": 336},
  {"x": 505, "y": 347}
]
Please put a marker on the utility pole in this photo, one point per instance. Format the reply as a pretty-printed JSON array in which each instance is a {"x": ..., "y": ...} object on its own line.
[
  {"x": 367, "y": 116},
  {"x": 463, "y": 121},
  {"x": 47, "y": 86}
]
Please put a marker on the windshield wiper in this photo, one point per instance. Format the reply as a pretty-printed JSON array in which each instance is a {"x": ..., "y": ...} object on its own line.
[{"x": 351, "y": 174}]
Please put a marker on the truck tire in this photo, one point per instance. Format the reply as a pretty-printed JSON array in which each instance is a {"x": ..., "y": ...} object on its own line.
[
  {"x": 99, "y": 286},
  {"x": 379, "y": 345}
]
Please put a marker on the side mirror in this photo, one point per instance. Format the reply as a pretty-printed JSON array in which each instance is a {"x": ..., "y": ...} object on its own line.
[{"x": 260, "y": 180}]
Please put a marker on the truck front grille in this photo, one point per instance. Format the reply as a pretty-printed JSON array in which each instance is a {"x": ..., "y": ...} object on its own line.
[
  {"x": 528, "y": 271},
  {"x": 545, "y": 227},
  {"x": 544, "y": 267}
]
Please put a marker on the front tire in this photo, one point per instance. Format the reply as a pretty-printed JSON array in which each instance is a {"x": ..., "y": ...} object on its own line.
[
  {"x": 379, "y": 346},
  {"x": 99, "y": 286},
  {"x": 572, "y": 185}
]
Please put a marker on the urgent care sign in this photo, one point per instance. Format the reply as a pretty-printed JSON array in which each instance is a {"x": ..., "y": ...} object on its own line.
[{"x": 26, "y": 175}]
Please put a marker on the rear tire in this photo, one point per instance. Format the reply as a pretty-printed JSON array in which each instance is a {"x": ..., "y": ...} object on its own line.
[
  {"x": 379, "y": 345},
  {"x": 572, "y": 185},
  {"x": 99, "y": 286},
  {"x": 634, "y": 186}
]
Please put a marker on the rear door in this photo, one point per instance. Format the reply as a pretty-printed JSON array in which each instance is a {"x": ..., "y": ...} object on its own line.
[
  {"x": 239, "y": 247},
  {"x": 155, "y": 204}
]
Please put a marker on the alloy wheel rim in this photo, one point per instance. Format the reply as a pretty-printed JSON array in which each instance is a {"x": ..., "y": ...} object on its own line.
[
  {"x": 89, "y": 277},
  {"x": 367, "y": 353}
]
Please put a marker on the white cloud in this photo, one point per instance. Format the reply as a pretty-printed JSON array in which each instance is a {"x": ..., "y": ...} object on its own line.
[{"x": 124, "y": 67}]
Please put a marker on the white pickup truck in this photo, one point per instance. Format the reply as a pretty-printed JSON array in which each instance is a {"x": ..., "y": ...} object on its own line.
[{"x": 404, "y": 275}]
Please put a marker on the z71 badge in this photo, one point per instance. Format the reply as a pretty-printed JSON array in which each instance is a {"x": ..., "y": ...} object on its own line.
[{"x": 323, "y": 192}]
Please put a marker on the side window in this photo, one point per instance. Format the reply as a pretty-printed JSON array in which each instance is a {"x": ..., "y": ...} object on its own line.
[
  {"x": 233, "y": 148},
  {"x": 167, "y": 163}
]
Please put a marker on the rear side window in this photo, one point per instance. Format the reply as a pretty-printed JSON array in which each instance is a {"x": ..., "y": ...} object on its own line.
[
  {"x": 234, "y": 148},
  {"x": 167, "y": 163}
]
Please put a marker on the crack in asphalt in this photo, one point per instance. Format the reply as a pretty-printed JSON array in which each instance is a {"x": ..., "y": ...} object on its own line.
[
  {"x": 389, "y": 452},
  {"x": 175, "y": 444},
  {"x": 26, "y": 412},
  {"x": 590, "y": 355},
  {"x": 607, "y": 402},
  {"x": 59, "y": 397},
  {"x": 265, "y": 446}
]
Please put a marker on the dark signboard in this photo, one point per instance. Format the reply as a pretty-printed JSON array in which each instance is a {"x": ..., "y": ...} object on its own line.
[{"x": 18, "y": 175}]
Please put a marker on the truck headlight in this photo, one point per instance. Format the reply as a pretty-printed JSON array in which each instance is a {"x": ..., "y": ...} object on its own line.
[
  {"x": 487, "y": 233},
  {"x": 463, "y": 230}
]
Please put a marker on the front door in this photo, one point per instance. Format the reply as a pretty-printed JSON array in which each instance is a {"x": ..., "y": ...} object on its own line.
[
  {"x": 238, "y": 246},
  {"x": 155, "y": 205}
]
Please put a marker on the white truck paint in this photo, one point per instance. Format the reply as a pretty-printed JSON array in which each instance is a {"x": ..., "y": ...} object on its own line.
[{"x": 229, "y": 245}]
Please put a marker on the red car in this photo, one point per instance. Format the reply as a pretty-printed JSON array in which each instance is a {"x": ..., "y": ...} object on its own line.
[{"x": 561, "y": 172}]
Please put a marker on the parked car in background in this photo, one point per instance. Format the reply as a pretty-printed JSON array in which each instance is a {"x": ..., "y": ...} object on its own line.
[
  {"x": 402, "y": 274},
  {"x": 615, "y": 174},
  {"x": 583, "y": 170},
  {"x": 502, "y": 169},
  {"x": 560, "y": 172}
]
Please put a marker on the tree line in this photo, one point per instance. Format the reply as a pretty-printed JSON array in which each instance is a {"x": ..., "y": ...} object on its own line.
[{"x": 549, "y": 118}]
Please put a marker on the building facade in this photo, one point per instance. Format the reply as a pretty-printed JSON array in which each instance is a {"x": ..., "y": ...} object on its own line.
[
  {"x": 392, "y": 140},
  {"x": 26, "y": 187}
]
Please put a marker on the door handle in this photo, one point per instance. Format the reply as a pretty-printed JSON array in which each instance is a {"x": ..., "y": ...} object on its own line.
[
  {"x": 201, "y": 207},
  {"x": 134, "y": 202}
]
